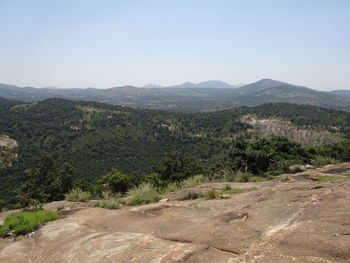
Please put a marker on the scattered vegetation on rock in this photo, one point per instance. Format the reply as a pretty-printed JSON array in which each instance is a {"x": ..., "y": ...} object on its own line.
[
  {"x": 224, "y": 193},
  {"x": 25, "y": 222}
]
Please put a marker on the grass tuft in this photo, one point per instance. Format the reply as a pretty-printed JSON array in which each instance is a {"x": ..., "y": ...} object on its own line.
[
  {"x": 194, "y": 181},
  {"x": 109, "y": 200},
  {"x": 77, "y": 195},
  {"x": 143, "y": 194}
]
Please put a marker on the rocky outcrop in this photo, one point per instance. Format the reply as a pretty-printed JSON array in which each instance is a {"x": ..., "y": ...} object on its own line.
[
  {"x": 7, "y": 151},
  {"x": 291, "y": 219},
  {"x": 6, "y": 141},
  {"x": 306, "y": 137}
]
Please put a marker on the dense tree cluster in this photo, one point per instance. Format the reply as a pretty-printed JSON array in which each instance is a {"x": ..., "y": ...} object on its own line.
[{"x": 49, "y": 181}]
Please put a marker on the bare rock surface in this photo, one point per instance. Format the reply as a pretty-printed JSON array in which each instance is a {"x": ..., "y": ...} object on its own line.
[
  {"x": 302, "y": 135},
  {"x": 7, "y": 142},
  {"x": 295, "y": 220}
]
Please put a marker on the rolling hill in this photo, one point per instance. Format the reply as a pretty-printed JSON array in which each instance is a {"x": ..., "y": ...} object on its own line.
[{"x": 188, "y": 97}]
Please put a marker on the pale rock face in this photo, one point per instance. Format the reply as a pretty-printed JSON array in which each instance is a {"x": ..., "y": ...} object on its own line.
[
  {"x": 304, "y": 136},
  {"x": 6, "y": 141},
  {"x": 290, "y": 219}
]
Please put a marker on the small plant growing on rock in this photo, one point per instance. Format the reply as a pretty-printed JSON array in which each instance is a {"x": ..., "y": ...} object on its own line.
[
  {"x": 110, "y": 200},
  {"x": 211, "y": 194},
  {"x": 142, "y": 194},
  {"x": 77, "y": 195},
  {"x": 191, "y": 196}
]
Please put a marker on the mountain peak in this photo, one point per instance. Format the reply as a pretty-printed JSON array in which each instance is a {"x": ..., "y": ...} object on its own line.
[{"x": 272, "y": 83}]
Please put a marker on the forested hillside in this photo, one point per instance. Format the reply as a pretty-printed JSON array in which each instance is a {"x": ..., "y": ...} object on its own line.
[{"x": 97, "y": 137}]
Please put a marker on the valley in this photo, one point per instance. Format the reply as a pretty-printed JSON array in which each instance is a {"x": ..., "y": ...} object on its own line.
[{"x": 96, "y": 137}]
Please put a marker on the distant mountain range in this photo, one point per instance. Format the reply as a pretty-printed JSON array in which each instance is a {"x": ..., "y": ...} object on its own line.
[
  {"x": 213, "y": 84},
  {"x": 204, "y": 96}
]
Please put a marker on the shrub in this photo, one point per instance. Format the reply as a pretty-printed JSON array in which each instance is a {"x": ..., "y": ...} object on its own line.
[
  {"x": 142, "y": 194},
  {"x": 176, "y": 166},
  {"x": 115, "y": 181},
  {"x": 25, "y": 222},
  {"x": 78, "y": 195},
  {"x": 242, "y": 177}
]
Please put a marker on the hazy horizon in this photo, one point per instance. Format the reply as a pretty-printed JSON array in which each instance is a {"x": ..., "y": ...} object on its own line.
[{"x": 104, "y": 44}]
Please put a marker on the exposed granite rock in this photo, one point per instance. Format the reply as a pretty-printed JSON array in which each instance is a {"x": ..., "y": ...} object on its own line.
[{"x": 298, "y": 220}]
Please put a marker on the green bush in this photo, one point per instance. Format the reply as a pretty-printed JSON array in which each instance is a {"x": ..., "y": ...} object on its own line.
[
  {"x": 142, "y": 194},
  {"x": 176, "y": 167},
  {"x": 77, "y": 195},
  {"x": 115, "y": 181},
  {"x": 25, "y": 222}
]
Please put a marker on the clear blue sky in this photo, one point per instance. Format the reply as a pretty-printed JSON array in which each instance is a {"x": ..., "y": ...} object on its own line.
[{"x": 101, "y": 43}]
